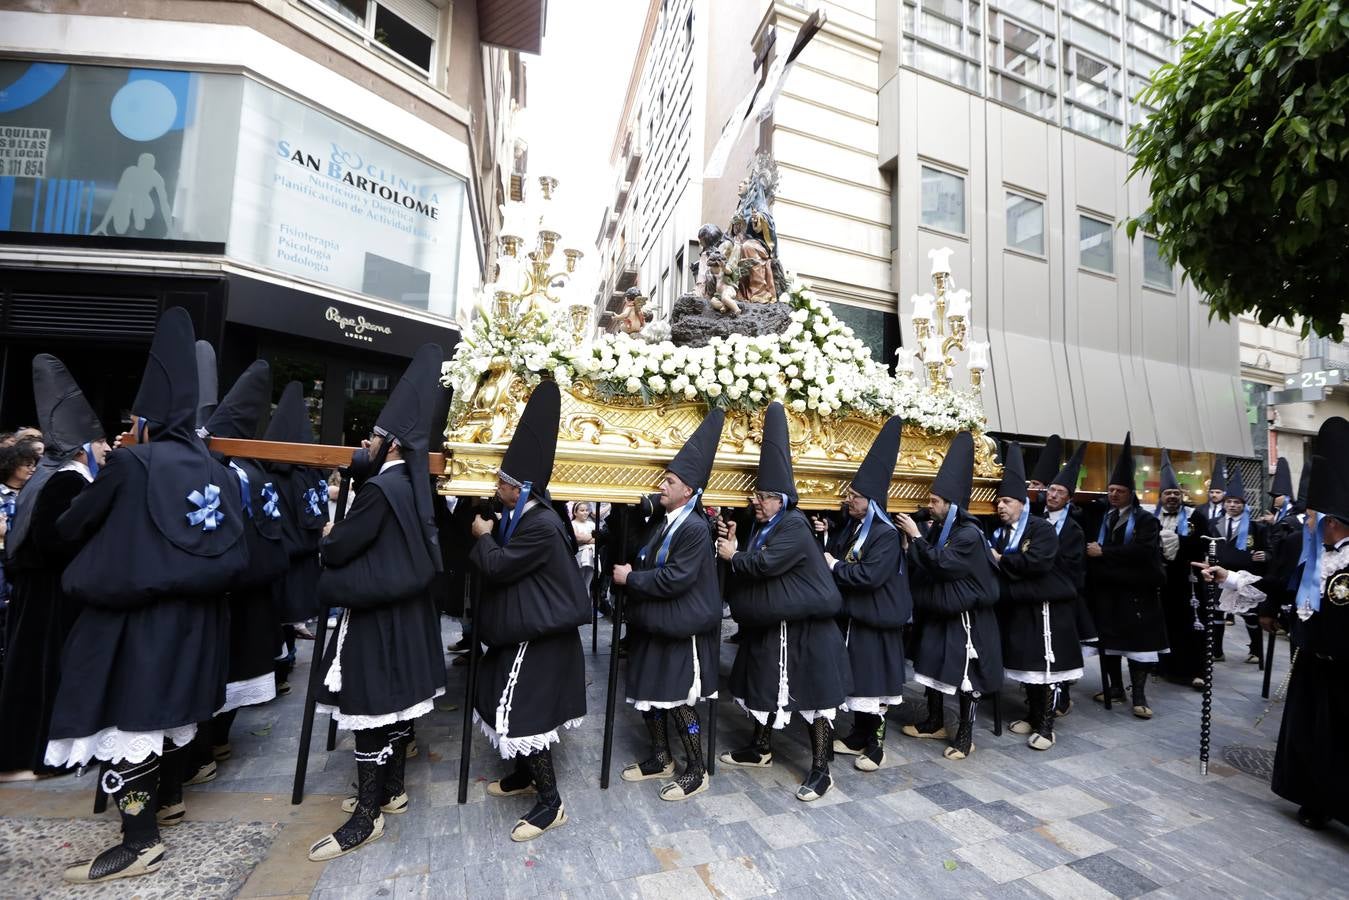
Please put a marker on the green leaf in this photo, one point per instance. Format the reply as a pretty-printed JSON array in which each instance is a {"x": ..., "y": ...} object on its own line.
[{"x": 950, "y": 865}]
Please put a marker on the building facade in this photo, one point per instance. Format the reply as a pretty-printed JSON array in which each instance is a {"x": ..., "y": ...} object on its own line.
[
  {"x": 994, "y": 128},
  {"x": 316, "y": 181}
]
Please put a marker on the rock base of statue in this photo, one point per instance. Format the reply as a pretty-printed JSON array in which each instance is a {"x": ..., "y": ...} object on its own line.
[{"x": 693, "y": 322}]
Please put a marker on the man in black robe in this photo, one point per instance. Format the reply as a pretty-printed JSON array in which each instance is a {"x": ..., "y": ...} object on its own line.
[
  {"x": 1182, "y": 544},
  {"x": 252, "y": 637},
  {"x": 1040, "y": 647},
  {"x": 532, "y": 680},
  {"x": 1285, "y": 523},
  {"x": 1124, "y": 577},
  {"x": 1311, "y": 763},
  {"x": 1071, "y": 561},
  {"x": 674, "y": 618},
  {"x": 1217, "y": 491},
  {"x": 161, "y": 540},
  {"x": 40, "y": 613},
  {"x": 302, "y": 494},
  {"x": 1242, "y": 547},
  {"x": 867, "y": 559},
  {"x": 791, "y": 657},
  {"x": 386, "y": 666},
  {"x": 955, "y": 589}
]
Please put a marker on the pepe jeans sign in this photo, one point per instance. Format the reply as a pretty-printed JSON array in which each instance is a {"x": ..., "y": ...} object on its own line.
[{"x": 359, "y": 328}]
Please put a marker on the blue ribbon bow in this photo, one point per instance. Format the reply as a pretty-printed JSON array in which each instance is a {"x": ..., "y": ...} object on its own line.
[
  {"x": 269, "y": 501},
  {"x": 207, "y": 514},
  {"x": 244, "y": 497},
  {"x": 311, "y": 500}
]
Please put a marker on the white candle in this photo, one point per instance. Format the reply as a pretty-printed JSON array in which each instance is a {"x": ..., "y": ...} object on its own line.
[
  {"x": 978, "y": 356},
  {"x": 941, "y": 260},
  {"x": 933, "y": 350},
  {"x": 958, "y": 307},
  {"x": 923, "y": 305},
  {"x": 904, "y": 363}
]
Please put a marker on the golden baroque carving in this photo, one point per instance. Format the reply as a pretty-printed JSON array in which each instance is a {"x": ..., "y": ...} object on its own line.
[{"x": 616, "y": 448}]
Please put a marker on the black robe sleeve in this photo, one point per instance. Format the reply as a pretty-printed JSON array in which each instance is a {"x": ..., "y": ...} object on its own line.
[
  {"x": 874, "y": 569},
  {"x": 355, "y": 534},
  {"x": 93, "y": 505},
  {"x": 682, "y": 566},
  {"x": 779, "y": 553},
  {"x": 950, "y": 579},
  {"x": 56, "y": 497},
  {"x": 1137, "y": 563},
  {"x": 526, "y": 553}
]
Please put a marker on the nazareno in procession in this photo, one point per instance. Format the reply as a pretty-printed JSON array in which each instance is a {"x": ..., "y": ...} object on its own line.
[{"x": 152, "y": 580}]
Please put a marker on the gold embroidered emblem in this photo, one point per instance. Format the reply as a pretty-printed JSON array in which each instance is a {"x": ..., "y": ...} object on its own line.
[
  {"x": 1338, "y": 589},
  {"x": 1025, "y": 545}
]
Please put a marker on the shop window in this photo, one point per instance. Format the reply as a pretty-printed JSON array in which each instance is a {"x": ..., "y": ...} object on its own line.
[
  {"x": 1025, "y": 224},
  {"x": 406, "y": 28},
  {"x": 1157, "y": 272},
  {"x": 943, "y": 201},
  {"x": 1096, "y": 244}
]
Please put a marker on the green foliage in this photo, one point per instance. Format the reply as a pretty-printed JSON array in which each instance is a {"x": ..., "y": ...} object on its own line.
[{"x": 1246, "y": 158}]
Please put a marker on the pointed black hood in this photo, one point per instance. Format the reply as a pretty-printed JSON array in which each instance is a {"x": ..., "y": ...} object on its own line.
[
  {"x": 1217, "y": 479},
  {"x": 1169, "y": 481},
  {"x": 1235, "y": 489},
  {"x": 775, "y": 455},
  {"x": 242, "y": 409},
  {"x": 1283, "y": 480},
  {"x": 407, "y": 414},
  {"x": 208, "y": 386},
  {"x": 693, "y": 462},
  {"x": 179, "y": 466},
  {"x": 1014, "y": 474},
  {"x": 1328, "y": 487},
  {"x": 955, "y": 479},
  {"x": 1123, "y": 473},
  {"x": 878, "y": 467},
  {"x": 529, "y": 458},
  {"x": 168, "y": 392},
  {"x": 1047, "y": 463},
  {"x": 1072, "y": 470},
  {"x": 408, "y": 417},
  {"x": 290, "y": 419},
  {"x": 67, "y": 422},
  {"x": 1304, "y": 479}
]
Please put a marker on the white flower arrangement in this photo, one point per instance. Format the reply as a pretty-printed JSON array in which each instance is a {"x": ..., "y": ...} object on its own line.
[{"x": 816, "y": 365}]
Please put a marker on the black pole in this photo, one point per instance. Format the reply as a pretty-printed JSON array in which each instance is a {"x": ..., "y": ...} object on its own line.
[
  {"x": 711, "y": 703},
  {"x": 315, "y": 667},
  {"x": 1269, "y": 663},
  {"x": 620, "y": 512},
  {"x": 1207, "y": 605},
  {"x": 472, "y": 592},
  {"x": 1105, "y": 679}
]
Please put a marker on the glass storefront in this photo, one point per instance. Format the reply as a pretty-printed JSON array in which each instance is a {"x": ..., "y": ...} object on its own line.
[{"x": 102, "y": 154}]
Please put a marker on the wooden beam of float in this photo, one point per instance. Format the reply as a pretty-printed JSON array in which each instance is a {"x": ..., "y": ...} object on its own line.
[{"x": 615, "y": 448}]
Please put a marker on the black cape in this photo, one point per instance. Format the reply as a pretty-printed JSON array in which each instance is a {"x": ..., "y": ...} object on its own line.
[
  {"x": 1185, "y": 662},
  {"x": 1123, "y": 587},
  {"x": 1311, "y": 764},
  {"x": 1031, "y": 578},
  {"x": 39, "y": 618},
  {"x": 674, "y": 614},
  {"x": 531, "y": 602},
  {"x": 786, "y": 581},
  {"x": 876, "y": 606},
  {"x": 947, "y": 581},
  {"x": 391, "y": 654}
]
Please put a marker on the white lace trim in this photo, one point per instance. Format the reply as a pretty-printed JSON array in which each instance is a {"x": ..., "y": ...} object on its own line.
[
  {"x": 933, "y": 683},
  {"x": 1040, "y": 676},
  {"x": 644, "y": 705},
  {"x": 510, "y": 747},
  {"x": 873, "y": 705},
  {"x": 249, "y": 692},
  {"x": 358, "y": 723},
  {"x": 783, "y": 716},
  {"x": 114, "y": 745},
  {"x": 692, "y": 696},
  {"x": 1239, "y": 593},
  {"x": 1136, "y": 655}
]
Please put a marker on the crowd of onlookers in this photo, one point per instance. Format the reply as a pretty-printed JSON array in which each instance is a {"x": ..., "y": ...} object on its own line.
[{"x": 20, "y": 452}]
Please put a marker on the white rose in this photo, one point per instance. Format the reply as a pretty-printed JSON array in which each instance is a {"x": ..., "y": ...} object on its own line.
[
  {"x": 756, "y": 396},
  {"x": 799, "y": 406},
  {"x": 690, "y": 393},
  {"x": 633, "y": 385},
  {"x": 826, "y": 409},
  {"x": 725, "y": 376},
  {"x": 795, "y": 384},
  {"x": 714, "y": 390},
  {"x": 792, "y": 370},
  {"x": 734, "y": 392},
  {"x": 760, "y": 384},
  {"x": 656, "y": 383}
]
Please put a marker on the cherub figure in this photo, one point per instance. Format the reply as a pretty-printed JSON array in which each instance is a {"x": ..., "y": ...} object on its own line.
[
  {"x": 632, "y": 319},
  {"x": 709, "y": 240},
  {"x": 722, "y": 290}
]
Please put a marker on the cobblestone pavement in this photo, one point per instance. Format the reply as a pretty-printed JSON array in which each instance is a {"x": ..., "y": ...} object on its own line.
[{"x": 1116, "y": 808}]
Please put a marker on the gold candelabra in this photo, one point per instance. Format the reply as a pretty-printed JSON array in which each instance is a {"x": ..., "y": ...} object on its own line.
[
  {"x": 941, "y": 326},
  {"x": 525, "y": 281}
]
